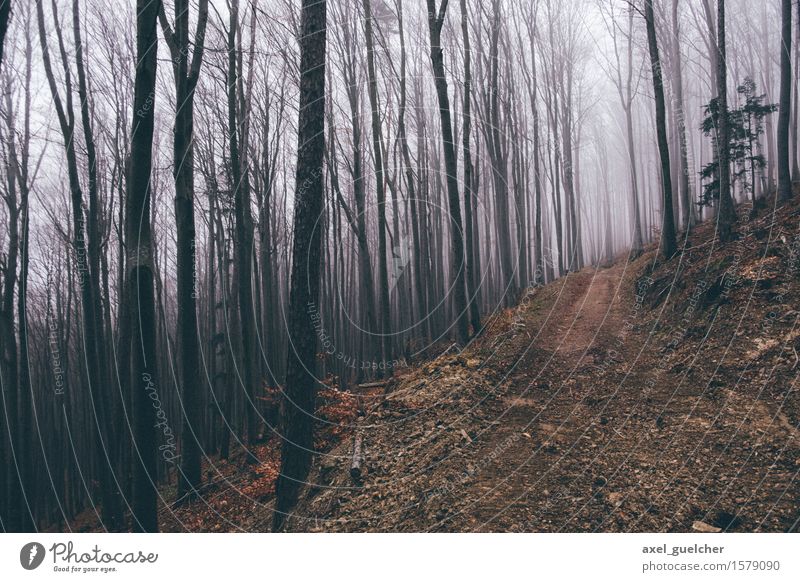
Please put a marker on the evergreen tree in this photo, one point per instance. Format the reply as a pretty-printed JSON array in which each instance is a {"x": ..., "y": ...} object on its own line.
[{"x": 745, "y": 124}]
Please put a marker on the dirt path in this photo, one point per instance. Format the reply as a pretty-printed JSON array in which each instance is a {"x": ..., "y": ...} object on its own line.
[
  {"x": 581, "y": 410},
  {"x": 542, "y": 417},
  {"x": 592, "y": 435}
]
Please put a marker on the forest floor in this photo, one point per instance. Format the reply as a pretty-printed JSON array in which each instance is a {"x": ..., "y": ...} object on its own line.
[{"x": 645, "y": 396}]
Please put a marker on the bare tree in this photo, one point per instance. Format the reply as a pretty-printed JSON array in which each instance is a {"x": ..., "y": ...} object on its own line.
[
  {"x": 380, "y": 185},
  {"x": 186, "y": 76},
  {"x": 668, "y": 243},
  {"x": 5, "y": 17},
  {"x": 469, "y": 195},
  {"x": 435, "y": 23},
  {"x": 140, "y": 270},
  {"x": 687, "y": 206},
  {"x": 727, "y": 212},
  {"x": 300, "y": 391},
  {"x": 88, "y": 270},
  {"x": 784, "y": 113}
]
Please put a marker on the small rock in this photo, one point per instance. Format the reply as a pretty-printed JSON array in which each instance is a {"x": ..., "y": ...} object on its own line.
[{"x": 703, "y": 527}]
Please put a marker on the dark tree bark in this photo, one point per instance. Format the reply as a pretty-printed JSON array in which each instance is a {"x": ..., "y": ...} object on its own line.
[
  {"x": 638, "y": 241},
  {"x": 668, "y": 243},
  {"x": 140, "y": 271},
  {"x": 300, "y": 392},
  {"x": 9, "y": 359},
  {"x": 25, "y": 445},
  {"x": 469, "y": 203},
  {"x": 784, "y": 112},
  {"x": 498, "y": 155},
  {"x": 795, "y": 111},
  {"x": 435, "y": 23},
  {"x": 357, "y": 222},
  {"x": 413, "y": 201},
  {"x": 356, "y": 167},
  {"x": 243, "y": 228},
  {"x": 727, "y": 212},
  {"x": 532, "y": 86},
  {"x": 377, "y": 140},
  {"x": 5, "y": 18},
  {"x": 186, "y": 76}
]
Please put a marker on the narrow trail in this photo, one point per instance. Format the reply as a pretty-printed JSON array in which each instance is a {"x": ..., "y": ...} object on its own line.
[
  {"x": 593, "y": 433},
  {"x": 543, "y": 415},
  {"x": 594, "y": 405}
]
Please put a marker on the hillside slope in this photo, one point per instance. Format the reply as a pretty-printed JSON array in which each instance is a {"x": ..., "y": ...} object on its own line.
[{"x": 643, "y": 397}]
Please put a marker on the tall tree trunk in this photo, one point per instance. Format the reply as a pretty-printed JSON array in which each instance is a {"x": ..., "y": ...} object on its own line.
[
  {"x": 366, "y": 281},
  {"x": 413, "y": 201},
  {"x": 243, "y": 227},
  {"x": 687, "y": 206},
  {"x": 727, "y": 212},
  {"x": 668, "y": 243},
  {"x": 300, "y": 391},
  {"x": 13, "y": 492},
  {"x": 5, "y": 18},
  {"x": 498, "y": 155},
  {"x": 784, "y": 113},
  {"x": 638, "y": 241},
  {"x": 380, "y": 184},
  {"x": 457, "y": 265},
  {"x": 140, "y": 274},
  {"x": 472, "y": 275},
  {"x": 186, "y": 77},
  {"x": 795, "y": 111},
  {"x": 26, "y": 447},
  {"x": 532, "y": 82}
]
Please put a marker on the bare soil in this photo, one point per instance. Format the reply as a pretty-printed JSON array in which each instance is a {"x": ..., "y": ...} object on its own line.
[{"x": 647, "y": 396}]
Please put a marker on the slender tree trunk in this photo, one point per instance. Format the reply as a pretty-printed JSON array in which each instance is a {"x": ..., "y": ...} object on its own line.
[
  {"x": 687, "y": 207},
  {"x": 795, "y": 111},
  {"x": 112, "y": 503},
  {"x": 413, "y": 201},
  {"x": 727, "y": 212},
  {"x": 435, "y": 23},
  {"x": 380, "y": 184},
  {"x": 183, "y": 172},
  {"x": 668, "y": 243},
  {"x": 367, "y": 283},
  {"x": 243, "y": 228},
  {"x": 5, "y": 17},
  {"x": 13, "y": 492},
  {"x": 498, "y": 155},
  {"x": 26, "y": 447},
  {"x": 784, "y": 113},
  {"x": 472, "y": 276}
]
